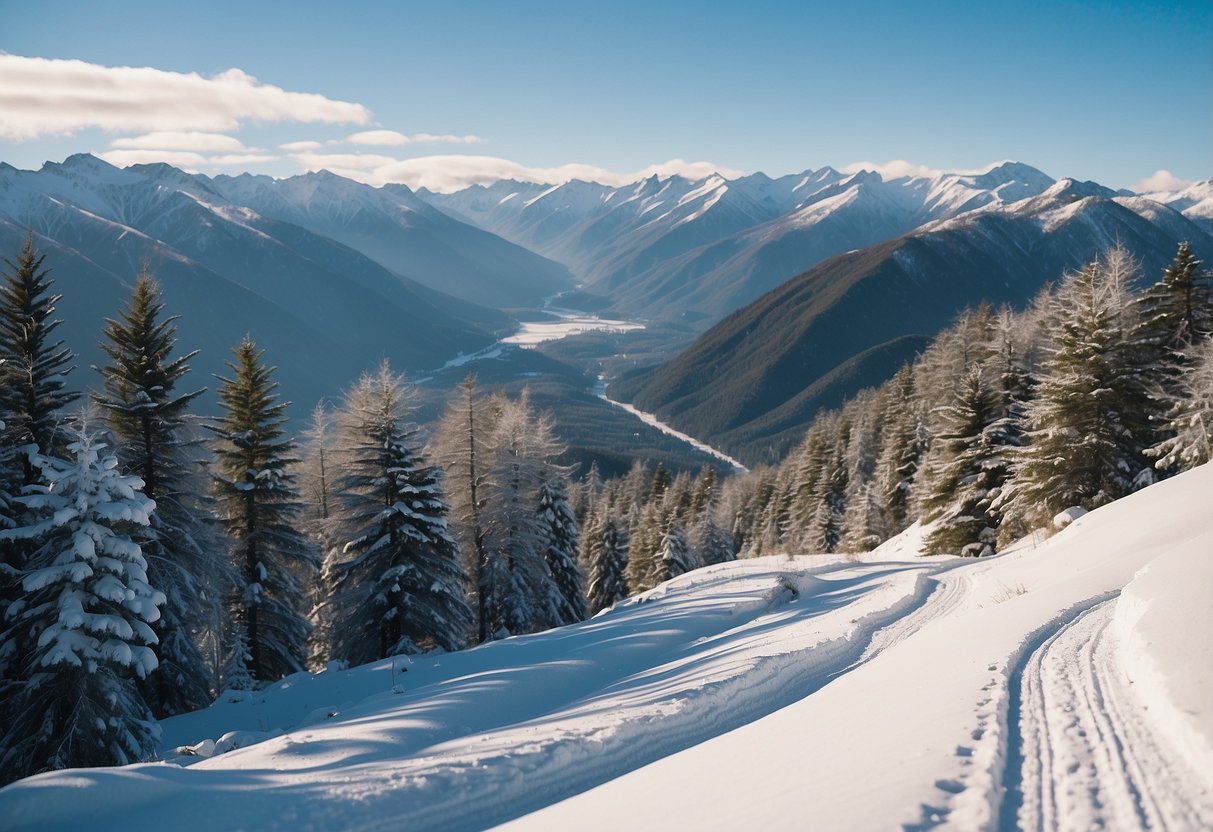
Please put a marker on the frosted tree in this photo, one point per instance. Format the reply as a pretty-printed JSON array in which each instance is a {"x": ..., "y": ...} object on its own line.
[
  {"x": 711, "y": 542},
  {"x": 317, "y": 477},
  {"x": 87, "y": 610},
  {"x": 902, "y": 444},
  {"x": 152, "y": 431},
  {"x": 259, "y": 506},
  {"x": 1190, "y": 416},
  {"x": 976, "y": 437},
  {"x": 674, "y": 557},
  {"x": 399, "y": 586},
  {"x": 1084, "y": 433},
  {"x": 563, "y": 542},
  {"x": 607, "y": 561},
  {"x": 461, "y": 449},
  {"x": 515, "y": 584}
]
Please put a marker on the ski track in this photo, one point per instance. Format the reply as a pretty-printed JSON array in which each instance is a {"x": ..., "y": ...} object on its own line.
[{"x": 1087, "y": 756}]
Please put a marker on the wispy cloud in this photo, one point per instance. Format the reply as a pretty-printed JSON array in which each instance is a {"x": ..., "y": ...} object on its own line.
[
  {"x": 185, "y": 159},
  {"x": 898, "y": 168},
  {"x": 454, "y": 171},
  {"x": 391, "y": 138},
  {"x": 1160, "y": 180},
  {"x": 301, "y": 147},
  {"x": 46, "y": 97},
  {"x": 180, "y": 140}
]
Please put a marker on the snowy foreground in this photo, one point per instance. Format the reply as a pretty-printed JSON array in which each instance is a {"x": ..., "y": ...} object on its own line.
[{"x": 1063, "y": 684}]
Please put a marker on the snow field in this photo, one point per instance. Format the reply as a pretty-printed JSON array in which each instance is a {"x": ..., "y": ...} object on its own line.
[{"x": 1063, "y": 684}]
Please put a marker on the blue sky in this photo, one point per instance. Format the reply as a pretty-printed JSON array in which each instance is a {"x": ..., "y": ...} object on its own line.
[{"x": 1106, "y": 91}]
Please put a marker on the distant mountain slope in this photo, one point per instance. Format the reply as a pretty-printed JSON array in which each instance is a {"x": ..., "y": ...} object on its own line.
[
  {"x": 324, "y": 311},
  {"x": 676, "y": 249},
  {"x": 404, "y": 234},
  {"x": 742, "y": 386}
]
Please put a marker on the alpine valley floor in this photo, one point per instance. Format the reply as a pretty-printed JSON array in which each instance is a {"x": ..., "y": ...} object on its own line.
[{"x": 1065, "y": 684}]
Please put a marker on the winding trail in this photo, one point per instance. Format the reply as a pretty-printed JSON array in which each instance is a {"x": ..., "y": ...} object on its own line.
[{"x": 1088, "y": 756}]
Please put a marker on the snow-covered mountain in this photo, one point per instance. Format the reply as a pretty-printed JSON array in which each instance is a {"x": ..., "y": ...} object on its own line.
[
  {"x": 1054, "y": 685},
  {"x": 405, "y": 234},
  {"x": 1195, "y": 202},
  {"x": 850, "y": 321},
  {"x": 324, "y": 311},
  {"x": 696, "y": 250}
]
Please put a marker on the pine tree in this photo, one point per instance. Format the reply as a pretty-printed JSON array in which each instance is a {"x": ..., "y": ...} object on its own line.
[
  {"x": 400, "y": 589},
  {"x": 674, "y": 557},
  {"x": 152, "y": 432},
  {"x": 516, "y": 586},
  {"x": 1190, "y": 416},
  {"x": 711, "y": 542},
  {"x": 88, "y": 610},
  {"x": 607, "y": 557},
  {"x": 34, "y": 370},
  {"x": 563, "y": 540},
  {"x": 976, "y": 438},
  {"x": 902, "y": 444},
  {"x": 259, "y": 504},
  {"x": 1085, "y": 443}
]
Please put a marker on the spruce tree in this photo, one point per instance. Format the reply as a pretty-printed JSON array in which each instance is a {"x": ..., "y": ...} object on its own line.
[
  {"x": 607, "y": 557},
  {"x": 87, "y": 610},
  {"x": 152, "y": 431},
  {"x": 399, "y": 587},
  {"x": 259, "y": 505},
  {"x": 976, "y": 438},
  {"x": 674, "y": 557},
  {"x": 563, "y": 540},
  {"x": 1085, "y": 438},
  {"x": 1190, "y": 416},
  {"x": 34, "y": 369}
]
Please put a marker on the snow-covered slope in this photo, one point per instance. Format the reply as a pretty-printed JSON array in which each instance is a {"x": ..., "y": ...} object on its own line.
[
  {"x": 1054, "y": 686},
  {"x": 1195, "y": 202},
  {"x": 324, "y": 311}
]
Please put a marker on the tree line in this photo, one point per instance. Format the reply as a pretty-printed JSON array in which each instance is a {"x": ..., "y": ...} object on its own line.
[{"x": 1098, "y": 388}]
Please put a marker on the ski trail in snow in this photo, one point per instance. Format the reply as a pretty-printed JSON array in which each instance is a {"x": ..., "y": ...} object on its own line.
[
  {"x": 1088, "y": 756},
  {"x": 652, "y": 421}
]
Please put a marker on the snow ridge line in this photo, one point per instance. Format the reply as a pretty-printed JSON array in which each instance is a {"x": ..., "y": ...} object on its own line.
[{"x": 541, "y": 773}]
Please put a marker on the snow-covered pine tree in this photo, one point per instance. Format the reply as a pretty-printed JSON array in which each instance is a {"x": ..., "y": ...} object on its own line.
[
  {"x": 644, "y": 537},
  {"x": 154, "y": 441},
  {"x": 1190, "y": 416},
  {"x": 399, "y": 587},
  {"x": 1084, "y": 446},
  {"x": 976, "y": 436},
  {"x": 1175, "y": 314},
  {"x": 607, "y": 557},
  {"x": 516, "y": 587},
  {"x": 711, "y": 542},
  {"x": 563, "y": 543},
  {"x": 461, "y": 449},
  {"x": 259, "y": 505},
  {"x": 902, "y": 443},
  {"x": 87, "y": 611},
  {"x": 674, "y": 557}
]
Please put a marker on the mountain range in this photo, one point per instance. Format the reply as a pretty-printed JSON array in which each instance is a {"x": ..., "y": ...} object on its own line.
[{"x": 802, "y": 288}]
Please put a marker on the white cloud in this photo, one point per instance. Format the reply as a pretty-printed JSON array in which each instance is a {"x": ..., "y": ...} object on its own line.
[
  {"x": 452, "y": 172},
  {"x": 300, "y": 147},
  {"x": 391, "y": 138},
  {"x": 1160, "y": 180},
  {"x": 176, "y": 158},
  {"x": 179, "y": 140},
  {"x": 46, "y": 97},
  {"x": 185, "y": 159},
  {"x": 898, "y": 168}
]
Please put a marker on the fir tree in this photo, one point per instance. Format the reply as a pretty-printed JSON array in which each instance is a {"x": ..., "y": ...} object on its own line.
[
  {"x": 711, "y": 542},
  {"x": 563, "y": 540},
  {"x": 976, "y": 439},
  {"x": 87, "y": 610},
  {"x": 149, "y": 422},
  {"x": 1085, "y": 437},
  {"x": 259, "y": 504},
  {"x": 400, "y": 591},
  {"x": 34, "y": 369},
  {"x": 674, "y": 557},
  {"x": 1190, "y": 416},
  {"x": 607, "y": 557}
]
